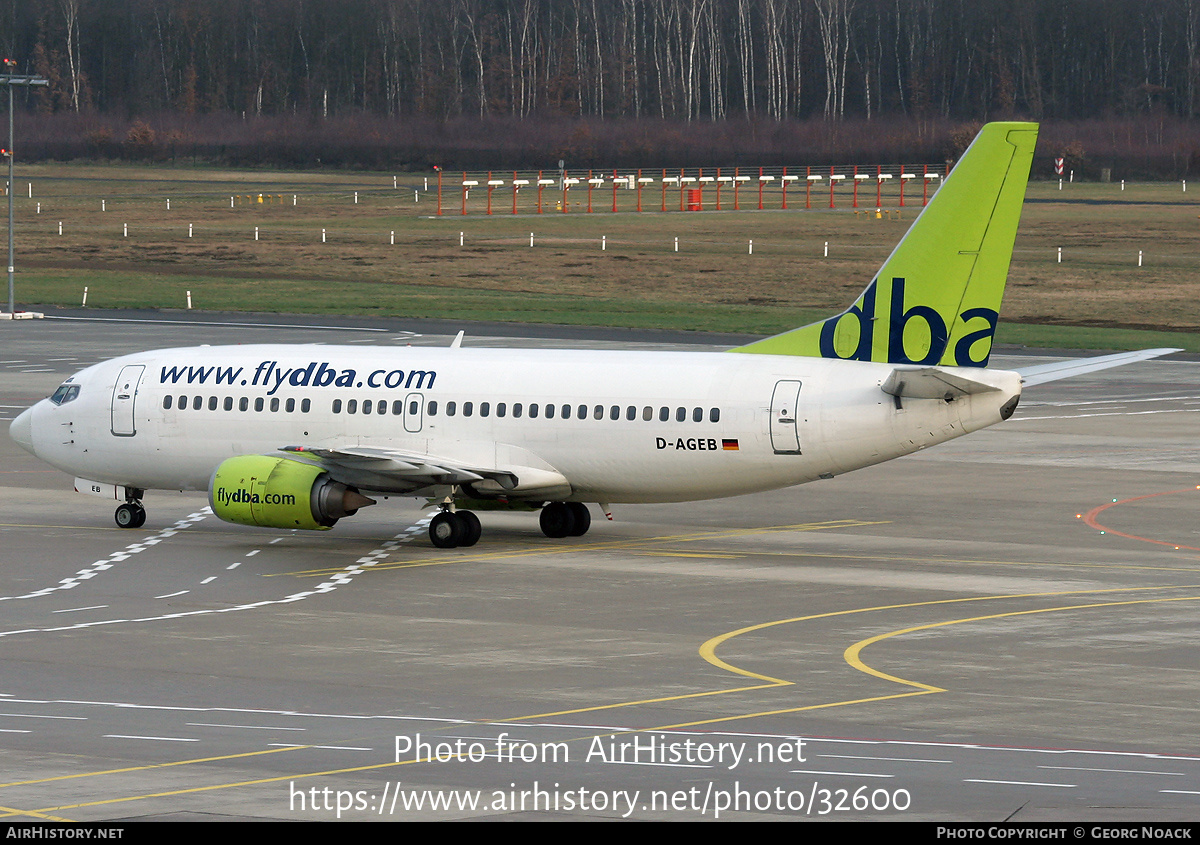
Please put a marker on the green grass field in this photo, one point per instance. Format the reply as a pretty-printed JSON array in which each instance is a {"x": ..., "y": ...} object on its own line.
[{"x": 120, "y": 240}]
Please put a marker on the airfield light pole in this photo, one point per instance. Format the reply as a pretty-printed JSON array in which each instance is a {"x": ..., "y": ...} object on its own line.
[{"x": 10, "y": 79}]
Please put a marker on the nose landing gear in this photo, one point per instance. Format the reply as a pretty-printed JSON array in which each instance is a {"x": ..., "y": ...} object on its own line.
[{"x": 131, "y": 514}]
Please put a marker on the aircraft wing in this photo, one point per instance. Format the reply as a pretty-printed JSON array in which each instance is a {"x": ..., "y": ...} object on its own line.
[
  {"x": 1042, "y": 373},
  {"x": 393, "y": 470}
]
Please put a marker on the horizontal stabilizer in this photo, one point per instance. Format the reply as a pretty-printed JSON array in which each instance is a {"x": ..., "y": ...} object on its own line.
[
  {"x": 936, "y": 383},
  {"x": 1042, "y": 373}
]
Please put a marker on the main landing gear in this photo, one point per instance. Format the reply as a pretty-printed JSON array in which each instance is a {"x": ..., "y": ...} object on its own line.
[
  {"x": 452, "y": 529},
  {"x": 565, "y": 519},
  {"x": 131, "y": 514}
]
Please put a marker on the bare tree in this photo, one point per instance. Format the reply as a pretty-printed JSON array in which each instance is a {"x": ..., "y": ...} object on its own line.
[
  {"x": 70, "y": 10},
  {"x": 833, "y": 16}
]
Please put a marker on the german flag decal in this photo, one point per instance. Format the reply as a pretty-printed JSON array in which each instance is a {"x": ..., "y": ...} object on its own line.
[{"x": 729, "y": 444}]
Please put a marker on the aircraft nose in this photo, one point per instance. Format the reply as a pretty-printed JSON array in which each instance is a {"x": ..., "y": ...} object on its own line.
[{"x": 21, "y": 430}]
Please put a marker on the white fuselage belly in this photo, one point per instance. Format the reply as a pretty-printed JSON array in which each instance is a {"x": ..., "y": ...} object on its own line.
[{"x": 842, "y": 419}]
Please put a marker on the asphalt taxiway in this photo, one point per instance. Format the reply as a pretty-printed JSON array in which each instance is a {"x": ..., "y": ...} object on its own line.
[{"x": 1002, "y": 627}]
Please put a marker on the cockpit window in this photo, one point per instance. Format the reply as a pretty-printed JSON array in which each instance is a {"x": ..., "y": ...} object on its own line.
[{"x": 65, "y": 393}]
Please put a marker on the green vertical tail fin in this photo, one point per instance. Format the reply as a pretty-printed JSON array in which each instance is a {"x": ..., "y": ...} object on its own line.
[{"x": 936, "y": 299}]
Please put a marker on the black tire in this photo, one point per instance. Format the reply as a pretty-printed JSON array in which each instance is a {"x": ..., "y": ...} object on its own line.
[
  {"x": 557, "y": 520},
  {"x": 130, "y": 515},
  {"x": 471, "y": 529},
  {"x": 445, "y": 530},
  {"x": 583, "y": 518}
]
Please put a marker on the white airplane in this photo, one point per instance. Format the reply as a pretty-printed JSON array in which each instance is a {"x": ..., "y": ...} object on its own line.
[{"x": 296, "y": 436}]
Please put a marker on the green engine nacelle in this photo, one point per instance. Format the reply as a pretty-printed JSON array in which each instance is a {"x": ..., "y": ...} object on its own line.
[{"x": 280, "y": 493}]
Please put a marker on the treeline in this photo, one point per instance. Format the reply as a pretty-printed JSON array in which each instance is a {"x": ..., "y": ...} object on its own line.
[
  {"x": 683, "y": 60},
  {"x": 496, "y": 84}
]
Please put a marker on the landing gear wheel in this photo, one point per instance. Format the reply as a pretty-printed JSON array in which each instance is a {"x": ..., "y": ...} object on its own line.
[
  {"x": 471, "y": 529},
  {"x": 130, "y": 515},
  {"x": 583, "y": 518},
  {"x": 557, "y": 520},
  {"x": 446, "y": 530}
]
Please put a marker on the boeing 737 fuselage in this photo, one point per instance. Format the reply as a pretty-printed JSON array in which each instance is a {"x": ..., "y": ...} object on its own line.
[{"x": 542, "y": 425}]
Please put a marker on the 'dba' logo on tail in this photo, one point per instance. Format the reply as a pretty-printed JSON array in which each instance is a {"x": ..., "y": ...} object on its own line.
[{"x": 917, "y": 334}]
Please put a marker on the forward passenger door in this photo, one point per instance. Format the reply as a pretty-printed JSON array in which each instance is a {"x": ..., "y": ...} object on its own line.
[{"x": 123, "y": 399}]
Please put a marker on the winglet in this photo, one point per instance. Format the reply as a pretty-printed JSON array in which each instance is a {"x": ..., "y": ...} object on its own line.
[{"x": 936, "y": 299}]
